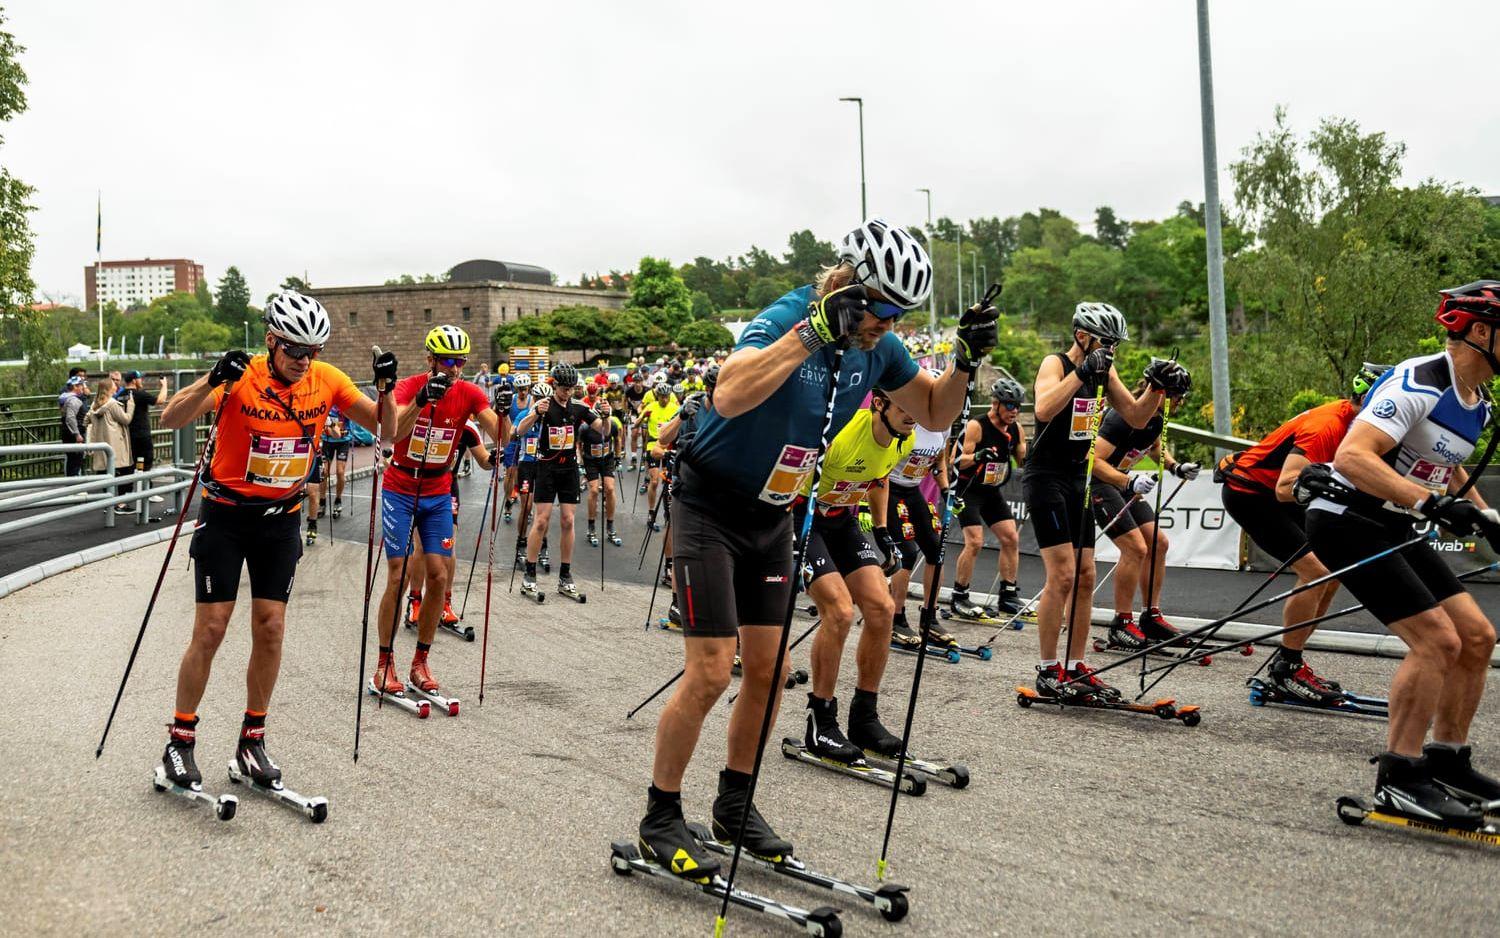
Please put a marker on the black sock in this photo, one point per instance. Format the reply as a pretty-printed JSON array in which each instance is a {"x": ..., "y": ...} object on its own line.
[
  {"x": 565, "y": 569},
  {"x": 531, "y": 569},
  {"x": 591, "y": 524},
  {"x": 387, "y": 649},
  {"x": 663, "y": 797},
  {"x": 863, "y": 699},
  {"x": 423, "y": 647},
  {"x": 960, "y": 587},
  {"x": 730, "y": 779},
  {"x": 1290, "y": 655}
]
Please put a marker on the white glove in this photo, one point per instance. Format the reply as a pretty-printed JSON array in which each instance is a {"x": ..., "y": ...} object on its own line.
[
  {"x": 1187, "y": 471},
  {"x": 1142, "y": 483}
]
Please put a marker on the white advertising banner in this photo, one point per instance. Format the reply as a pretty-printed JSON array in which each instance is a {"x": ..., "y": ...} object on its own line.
[{"x": 1197, "y": 527}]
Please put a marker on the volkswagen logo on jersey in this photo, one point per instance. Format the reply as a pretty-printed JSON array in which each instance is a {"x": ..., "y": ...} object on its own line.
[{"x": 1384, "y": 408}]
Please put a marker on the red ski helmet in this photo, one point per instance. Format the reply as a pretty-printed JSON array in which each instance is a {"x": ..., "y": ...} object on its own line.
[{"x": 1473, "y": 302}]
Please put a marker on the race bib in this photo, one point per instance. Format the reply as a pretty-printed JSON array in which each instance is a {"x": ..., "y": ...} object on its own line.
[
  {"x": 916, "y": 466},
  {"x": 1131, "y": 458},
  {"x": 431, "y": 444},
  {"x": 1433, "y": 476},
  {"x": 531, "y": 445},
  {"x": 278, "y": 462},
  {"x": 1085, "y": 418},
  {"x": 598, "y": 450},
  {"x": 843, "y": 494},
  {"x": 560, "y": 438},
  {"x": 793, "y": 465},
  {"x": 994, "y": 473}
]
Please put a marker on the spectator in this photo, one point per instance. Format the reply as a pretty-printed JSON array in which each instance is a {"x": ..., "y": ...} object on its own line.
[
  {"x": 109, "y": 422},
  {"x": 141, "y": 446},
  {"x": 71, "y": 406}
]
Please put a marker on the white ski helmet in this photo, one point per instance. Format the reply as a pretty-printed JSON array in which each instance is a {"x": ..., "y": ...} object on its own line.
[
  {"x": 888, "y": 259},
  {"x": 521, "y": 382},
  {"x": 1101, "y": 321},
  {"x": 297, "y": 318}
]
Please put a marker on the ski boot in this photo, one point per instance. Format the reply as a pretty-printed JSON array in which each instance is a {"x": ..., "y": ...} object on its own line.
[
  {"x": 865, "y": 729},
  {"x": 656, "y": 525},
  {"x": 312, "y": 532},
  {"x": 544, "y": 559},
  {"x": 1292, "y": 677},
  {"x": 528, "y": 585},
  {"x": 177, "y": 760},
  {"x": 757, "y": 837},
  {"x": 322, "y": 508},
  {"x": 385, "y": 680},
  {"x": 593, "y": 538},
  {"x": 674, "y": 621},
  {"x": 251, "y": 760},
  {"x": 614, "y": 536},
  {"x": 937, "y": 635},
  {"x": 338, "y": 507},
  {"x": 413, "y": 609},
  {"x": 642, "y": 489},
  {"x": 508, "y": 503},
  {"x": 1452, "y": 770},
  {"x": 1051, "y": 684},
  {"x": 1405, "y": 787},
  {"x": 421, "y": 674},
  {"x": 903, "y": 634},
  {"x": 1154, "y": 627},
  {"x": 568, "y": 588},
  {"x": 666, "y": 573},
  {"x": 448, "y": 617},
  {"x": 824, "y": 739},
  {"x": 964, "y": 608},
  {"x": 1091, "y": 685},
  {"x": 1010, "y": 600},
  {"x": 1126, "y": 635},
  {"x": 665, "y": 841}
]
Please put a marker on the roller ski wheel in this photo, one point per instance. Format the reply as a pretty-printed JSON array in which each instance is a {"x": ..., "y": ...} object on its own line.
[
  {"x": 465, "y": 632},
  {"x": 311, "y": 538},
  {"x": 593, "y": 539},
  {"x": 448, "y": 705},
  {"x": 952, "y": 774},
  {"x": 224, "y": 806},
  {"x": 338, "y": 508},
  {"x": 1264, "y": 693},
  {"x": 1355, "y": 811},
  {"x": 1166, "y": 708},
  {"x": 911, "y": 783},
  {"x": 889, "y": 899},
  {"x": 530, "y": 591},
  {"x": 314, "y": 809},
  {"x": 614, "y": 538},
  {"x": 421, "y": 709},
  {"x": 569, "y": 589},
  {"x": 626, "y": 859}
]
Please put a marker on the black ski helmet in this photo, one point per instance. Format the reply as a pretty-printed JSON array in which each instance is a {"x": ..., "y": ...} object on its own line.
[
  {"x": 564, "y": 375},
  {"x": 1007, "y": 391}
]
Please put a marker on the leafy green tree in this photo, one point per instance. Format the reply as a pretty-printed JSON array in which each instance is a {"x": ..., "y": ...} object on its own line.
[
  {"x": 632, "y": 329},
  {"x": 1092, "y": 272},
  {"x": 296, "y": 284},
  {"x": 16, "y": 244},
  {"x": 1109, "y": 230},
  {"x": 765, "y": 291},
  {"x": 658, "y": 285},
  {"x": 1036, "y": 288},
  {"x": 580, "y": 327},
  {"x": 704, "y": 336},
  {"x": 807, "y": 256},
  {"x": 528, "y": 330},
  {"x": 234, "y": 296},
  {"x": 703, "y": 305},
  {"x": 204, "y": 335}
]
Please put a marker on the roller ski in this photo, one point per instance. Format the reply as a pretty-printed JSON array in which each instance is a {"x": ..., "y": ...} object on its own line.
[
  {"x": 1053, "y": 689},
  {"x": 178, "y": 774},
  {"x": 509, "y": 504},
  {"x": 1454, "y": 772},
  {"x": 389, "y": 689},
  {"x": 413, "y": 610},
  {"x": 826, "y": 746},
  {"x": 312, "y": 532},
  {"x": 1158, "y": 630},
  {"x": 613, "y": 537},
  {"x": 795, "y": 677},
  {"x": 672, "y": 622},
  {"x": 593, "y": 538},
  {"x": 626, "y": 859},
  {"x": 1267, "y": 693},
  {"x": 338, "y": 507},
  {"x": 529, "y": 588},
  {"x": 252, "y": 768},
  {"x": 566, "y": 587},
  {"x": 422, "y": 686},
  {"x": 882, "y": 748},
  {"x": 544, "y": 559},
  {"x": 910, "y": 643},
  {"x": 889, "y": 899},
  {"x": 1412, "y": 793}
]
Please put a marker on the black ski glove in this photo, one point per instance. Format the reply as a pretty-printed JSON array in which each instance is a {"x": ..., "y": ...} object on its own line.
[
  {"x": 1163, "y": 373},
  {"x": 1459, "y": 515},
  {"x": 891, "y": 555},
  {"x": 433, "y": 390},
  {"x": 977, "y": 334},
  {"x": 833, "y": 318},
  {"x": 691, "y": 407},
  {"x": 230, "y": 367},
  {"x": 384, "y": 366},
  {"x": 503, "y": 398},
  {"x": 1095, "y": 368},
  {"x": 988, "y": 454}
]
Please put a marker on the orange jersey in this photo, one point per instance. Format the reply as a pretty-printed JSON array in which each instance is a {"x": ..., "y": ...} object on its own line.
[
  {"x": 1314, "y": 433},
  {"x": 269, "y": 433}
]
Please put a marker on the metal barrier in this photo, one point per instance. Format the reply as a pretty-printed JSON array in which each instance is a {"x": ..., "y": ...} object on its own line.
[{"x": 75, "y": 495}]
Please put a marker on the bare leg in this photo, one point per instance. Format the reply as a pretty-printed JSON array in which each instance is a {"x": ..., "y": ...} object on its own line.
[
  {"x": 867, "y": 586},
  {"x": 836, "y": 609},
  {"x": 1433, "y": 651},
  {"x": 758, "y": 646},
  {"x": 1306, "y": 605},
  {"x": 706, "y": 671},
  {"x": 1131, "y": 572},
  {"x": 267, "y": 626},
  {"x": 210, "y": 621},
  {"x": 1464, "y": 684}
]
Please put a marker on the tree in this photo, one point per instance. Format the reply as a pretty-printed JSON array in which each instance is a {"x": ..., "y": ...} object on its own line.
[
  {"x": 580, "y": 327},
  {"x": 704, "y": 336},
  {"x": 16, "y": 243},
  {"x": 1092, "y": 272},
  {"x": 1110, "y": 230},
  {"x": 202, "y": 335},
  {"x": 765, "y": 291},
  {"x": 1036, "y": 288},
  {"x": 631, "y": 329},
  {"x": 658, "y": 285},
  {"x": 234, "y": 296},
  {"x": 807, "y": 256},
  {"x": 528, "y": 330},
  {"x": 296, "y": 284},
  {"x": 703, "y": 305}
]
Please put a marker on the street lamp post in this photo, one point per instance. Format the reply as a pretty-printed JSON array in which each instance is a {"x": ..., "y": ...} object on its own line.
[
  {"x": 864, "y": 211},
  {"x": 1218, "y": 331},
  {"x": 246, "y": 324},
  {"x": 176, "y": 348},
  {"x": 958, "y": 255},
  {"x": 931, "y": 297}
]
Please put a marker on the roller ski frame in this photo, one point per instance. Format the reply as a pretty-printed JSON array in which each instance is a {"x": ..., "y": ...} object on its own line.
[
  {"x": 793, "y": 678},
  {"x": 952, "y": 774},
  {"x": 315, "y": 809},
  {"x": 912, "y": 783},
  {"x": 572, "y": 594},
  {"x": 625, "y": 859},
  {"x": 1014, "y": 620},
  {"x": 448, "y": 705},
  {"x": 224, "y": 805},
  {"x": 1355, "y": 811},
  {"x": 465, "y": 632},
  {"x": 936, "y": 651},
  {"x": 1166, "y": 707},
  {"x": 533, "y": 594},
  {"x": 1264, "y": 693},
  {"x": 1103, "y": 646},
  {"x": 421, "y": 709},
  {"x": 889, "y": 899}
]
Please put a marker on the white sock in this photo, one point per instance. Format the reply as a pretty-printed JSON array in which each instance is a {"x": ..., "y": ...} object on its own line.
[
  {"x": 1451, "y": 747},
  {"x": 1074, "y": 663},
  {"x": 1048, "y": 663}
]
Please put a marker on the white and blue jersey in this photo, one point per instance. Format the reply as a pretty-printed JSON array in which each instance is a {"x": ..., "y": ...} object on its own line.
[
  {"x": 525, "y": 445},
  {"x": 767, "y": 453},
  {"x": 1416, "y": 404}
]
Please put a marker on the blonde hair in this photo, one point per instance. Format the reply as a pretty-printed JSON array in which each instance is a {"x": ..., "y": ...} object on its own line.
[
  {"x": 832, "y": 277},
  {"x": 104, "y": 390}
]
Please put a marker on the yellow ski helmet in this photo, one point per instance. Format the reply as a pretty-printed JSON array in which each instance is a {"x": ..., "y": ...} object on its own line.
[{"x": 447, "y": 340}]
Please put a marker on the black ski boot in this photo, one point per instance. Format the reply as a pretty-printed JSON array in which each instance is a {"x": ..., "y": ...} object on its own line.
[
  {"x": 665, "y": 840},
  {"x": 824, "y": 738},
  {"x": 1124, "y": 633},
  {"x": 312, "y": 532},
  {"x": 593, "y": 537},
  {"x": 612, "y": 535},
  {"x": 903, "y": 634},
  {"x": 666, "y": 573},
  {"x": 759, "y": 839},
  {"x": 674, "y": 615},
  {"x": 251, "y": 756},
  {"x": 178, "y": 761},
  {"x": 939, "y": 636},
  {"x": 1405, "y": 786},
  {"x": 1155, "y": 627},
  {"x": 1451, "y": 769},
  {"x": 1010, "y": 599},
  {"x": 1292, "y": 677},
  {"x": 1052, "y": 684},
  {"x": 865, "y": 729},
  {"x": 963, "y": 607},
  {"x": 1092, "y": 685}
]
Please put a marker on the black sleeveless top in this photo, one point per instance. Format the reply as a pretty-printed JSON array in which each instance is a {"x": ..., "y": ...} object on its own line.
[
  {"x": 1006, "y": 441},
  {"x": 1061, "y": 445}
]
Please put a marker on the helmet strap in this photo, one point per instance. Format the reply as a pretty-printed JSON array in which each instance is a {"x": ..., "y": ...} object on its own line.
[
  {"x": 890, "y": 429},
  {"x": 1488, "y": 353}
]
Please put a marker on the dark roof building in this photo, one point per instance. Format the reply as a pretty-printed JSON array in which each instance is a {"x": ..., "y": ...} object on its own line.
[{"x": 477, "y": 271}]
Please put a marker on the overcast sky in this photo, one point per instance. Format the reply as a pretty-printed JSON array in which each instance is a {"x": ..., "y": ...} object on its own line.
[{"x": 359, "y": 141}]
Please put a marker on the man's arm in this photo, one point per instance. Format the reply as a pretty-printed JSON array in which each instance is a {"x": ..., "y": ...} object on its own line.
[
  {"x": 751, "y": 375},
  {"x": 1291, "y": 468},
  {"x": 188, "y": 404},
  {"x": 878, "y": 514},
  {"x": 1054, "y": 390},
  {"x": 1360, "y": 459},
  {"x": 161, "y": 392},
  {"x": 1103, "y": 471},
  {"x": 970, "y": 443},
  {"x": 1137, "y": 411}
]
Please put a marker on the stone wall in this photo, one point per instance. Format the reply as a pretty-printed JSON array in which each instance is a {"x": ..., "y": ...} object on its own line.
[{"x": 398, "y": 317}]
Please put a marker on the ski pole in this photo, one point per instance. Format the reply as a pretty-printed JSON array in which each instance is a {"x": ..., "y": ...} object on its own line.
[
  {"x": 381, "y": 453},
  {"x": 162, "y": 574},
  {"x": 1279, "y": 597},
  {"x": 773, "y": 688},
  {"x": 656, "y": 582},
  {"x": 479, "y": 538},
  {"x": 928, "y": 617},
  {"x": 1161, "y": 468},
  {"x": 1118, "y": 515},
  {"x": 489, "y": 582}
]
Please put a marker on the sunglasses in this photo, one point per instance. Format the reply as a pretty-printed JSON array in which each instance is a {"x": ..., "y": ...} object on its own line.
[
  {"x": 884, "y": 310},
  {"x": 451, "y": 361},
  {"x": 1010, "y": 406},
  {"x": 300, "y": 352}
]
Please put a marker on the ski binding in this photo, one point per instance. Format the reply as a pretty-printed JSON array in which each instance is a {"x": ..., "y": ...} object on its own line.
[
  {"x": 911, "y": 784},
  {"x": 419, "y": 707},
  {"x": 224, "y": 805},
  {"x": 316, "y": 809},
  {"x": 572, "y": 594},
  {"x": 1355, "y": 811},
  {"x": 533, "y": 594},
  {"x": 447, "y": 705},
  {"x": 952, "y": 774},
  {"x": 1103, "y": 646},
  {"x": 935, "y": 651},
  {"x": 1264, "y": 692}
]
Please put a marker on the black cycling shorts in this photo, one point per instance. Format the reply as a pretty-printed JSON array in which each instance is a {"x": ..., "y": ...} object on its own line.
[
  {"x": 1397, "y": 586},
  {"x": 559, "y": 482},
  {"x": 339, "y": 451},
  {"x": 984, "y": 505},
  {"x": 1055, "y": 504},
  {"x": 731, "y": 569},
  {"x": 316, "y": 476},
  {"x": 599, "y": 468},
  {"x": 228, "y": 538},
  {"x": 837, "y": 545},
  {"x": 1109, "y": 501},
  {"x": 526, "y": 475},
  {"x": 1279, "y": 528},
  {"x": 913, "y": 524}
]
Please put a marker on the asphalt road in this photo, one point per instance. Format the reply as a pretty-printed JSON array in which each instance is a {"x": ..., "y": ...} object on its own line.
[{"x": 1077, "y": 822}]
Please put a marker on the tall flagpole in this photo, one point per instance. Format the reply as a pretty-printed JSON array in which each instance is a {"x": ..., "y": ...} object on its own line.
[{"x": 99, "y": 270}]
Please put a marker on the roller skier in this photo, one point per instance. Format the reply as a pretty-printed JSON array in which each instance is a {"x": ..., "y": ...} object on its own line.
[
  {"x": 472, "y": 445},
  {"x": 271, "y": 419},
  {"x": 911, "y": 521},
  {"x": 992, "y": 443},
  {"x": 602, "y": 453}
]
